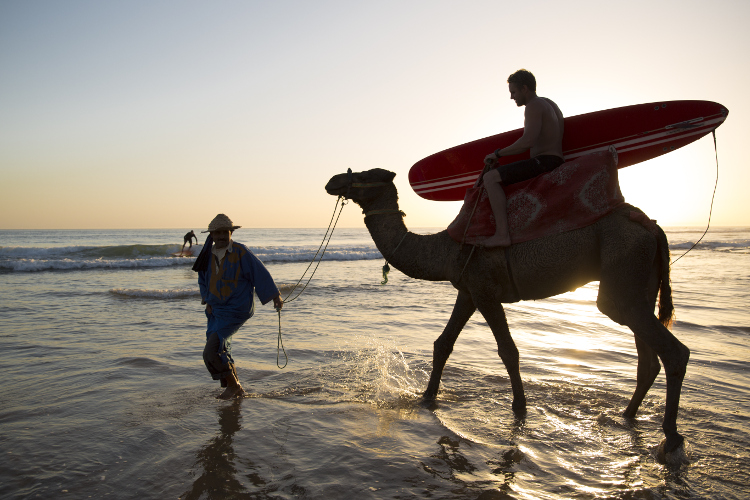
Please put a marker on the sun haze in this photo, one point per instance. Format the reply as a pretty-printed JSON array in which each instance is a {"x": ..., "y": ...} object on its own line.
[{"x": 162, "y": 114}]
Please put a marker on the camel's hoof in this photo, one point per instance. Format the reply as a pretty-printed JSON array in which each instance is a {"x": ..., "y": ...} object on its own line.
[
  {"x": 428, "y": 401},
  {"x": 629, "y": 415},
  {"x": 678, "y": 454},
  {"x": 429, "y": 396},
  {"x": 519, "y": 409}
]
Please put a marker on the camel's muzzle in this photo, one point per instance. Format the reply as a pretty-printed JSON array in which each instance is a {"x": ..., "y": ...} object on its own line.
[
  {"x": 339, "y": 184},
  {"x": 342, "y": 184}
]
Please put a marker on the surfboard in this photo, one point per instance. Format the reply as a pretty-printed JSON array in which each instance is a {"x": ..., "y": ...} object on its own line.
[
  {"x": 185, "y": 253},
  {"x": 639, "y": 133}
]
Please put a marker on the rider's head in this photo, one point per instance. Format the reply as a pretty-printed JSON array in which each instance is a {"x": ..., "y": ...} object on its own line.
[
  {"x": 523, "y": 77},
  {"x": 522, "y": 87}
]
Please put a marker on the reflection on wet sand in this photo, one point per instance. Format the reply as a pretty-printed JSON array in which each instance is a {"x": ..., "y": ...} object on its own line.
[{"x": 217, "y": 459}]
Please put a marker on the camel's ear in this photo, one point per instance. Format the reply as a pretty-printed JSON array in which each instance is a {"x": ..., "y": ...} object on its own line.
[{"x": 380, "y": 175}]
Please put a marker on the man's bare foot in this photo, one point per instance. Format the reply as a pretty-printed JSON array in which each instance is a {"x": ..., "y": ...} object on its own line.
[
  {"x": 497, "y": 241},
  {"x": 231, "y": 392}
]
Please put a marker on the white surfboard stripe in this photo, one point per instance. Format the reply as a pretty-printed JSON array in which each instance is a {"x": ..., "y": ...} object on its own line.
[
  {"x": 467, "y": 183},
  {"x": 444, "y": 183},
  {"x": 651, "y": 139},
  {"x": 622, "y": 147},
  {"x": 668, "y": 130}
]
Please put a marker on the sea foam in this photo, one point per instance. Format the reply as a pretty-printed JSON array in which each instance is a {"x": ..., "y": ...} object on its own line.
[
  {"x": 30, "y": 259},
  {"x": 156, "y": 294}
]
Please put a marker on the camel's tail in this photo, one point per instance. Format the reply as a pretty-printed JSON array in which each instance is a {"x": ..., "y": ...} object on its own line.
[{"x": 666, "y": 307}]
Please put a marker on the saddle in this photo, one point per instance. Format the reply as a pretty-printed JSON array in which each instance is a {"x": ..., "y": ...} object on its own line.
[{"x": 577, "y": 193}]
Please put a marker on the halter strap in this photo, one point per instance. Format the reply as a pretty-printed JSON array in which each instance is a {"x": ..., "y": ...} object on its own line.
[
  {"x": 385, "y": 211},
  {"x": 369, "y": 184},
  {"x": 350, "y": 184}
]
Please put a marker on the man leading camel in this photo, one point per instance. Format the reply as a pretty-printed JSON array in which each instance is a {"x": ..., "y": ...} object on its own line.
[
  {"x": 228, "y": 274},
  {"x": 542, "y": 133}
]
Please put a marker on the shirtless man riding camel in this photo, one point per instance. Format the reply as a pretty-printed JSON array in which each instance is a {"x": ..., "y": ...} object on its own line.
[{"x": 542, "y": 133}]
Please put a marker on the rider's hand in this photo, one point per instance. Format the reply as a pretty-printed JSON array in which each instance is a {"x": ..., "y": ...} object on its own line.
[{"x": 278, "y": 303}]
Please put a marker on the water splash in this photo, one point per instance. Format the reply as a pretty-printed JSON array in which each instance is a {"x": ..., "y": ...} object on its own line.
[{"x": 379, "y": 373}]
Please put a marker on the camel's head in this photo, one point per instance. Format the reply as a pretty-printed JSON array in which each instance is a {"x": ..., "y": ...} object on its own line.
[{"x": 359, "y": 186}]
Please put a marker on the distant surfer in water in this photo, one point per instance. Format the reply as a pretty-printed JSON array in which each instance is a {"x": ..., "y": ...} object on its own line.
[
  {"x": 228, "y": 274},
  {"x": 189, "y": 239},
  {"x": 542, "y": 134}
]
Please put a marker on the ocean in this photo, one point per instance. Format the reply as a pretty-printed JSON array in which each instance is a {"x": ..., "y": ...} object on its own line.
[{"x": 105, "y": 394}]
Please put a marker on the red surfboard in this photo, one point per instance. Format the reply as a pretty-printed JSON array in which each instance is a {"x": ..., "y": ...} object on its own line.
[{"x": 639, "y": 133}]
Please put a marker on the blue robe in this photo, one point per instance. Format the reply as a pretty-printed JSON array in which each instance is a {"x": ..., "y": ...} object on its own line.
[{"x": 230, "y": 293}]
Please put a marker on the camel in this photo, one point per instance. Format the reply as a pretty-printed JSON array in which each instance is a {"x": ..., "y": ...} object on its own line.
[{"x": 630, "y": 261}]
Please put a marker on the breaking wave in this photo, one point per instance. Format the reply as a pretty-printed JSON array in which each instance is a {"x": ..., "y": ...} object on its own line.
[
  {"x": 155, "y": 294},
  {"x": 179, "y": 293},
  {"x": 30, "y": 259},
  {"x": 726, "y": 246},
  {"x": 72, "y": 258}
]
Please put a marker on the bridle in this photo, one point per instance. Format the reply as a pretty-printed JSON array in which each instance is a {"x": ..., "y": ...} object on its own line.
[{"x": 350, "y": 184}]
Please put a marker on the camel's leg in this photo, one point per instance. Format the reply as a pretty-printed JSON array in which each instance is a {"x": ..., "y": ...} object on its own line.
[
  {"x": 627, "y": 290},
  {"x": 648, "y": 360},
  {"x": 648, "y": 369},
  {"x": 673, "y": 354},
  {"x": 463, "y": 309},
  {"x": 506, "y": 348}
]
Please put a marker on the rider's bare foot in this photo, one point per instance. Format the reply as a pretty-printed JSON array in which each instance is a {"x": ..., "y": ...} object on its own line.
[
  {"x": 231, "y": 392},
  {"x": 497, "y": 240}
]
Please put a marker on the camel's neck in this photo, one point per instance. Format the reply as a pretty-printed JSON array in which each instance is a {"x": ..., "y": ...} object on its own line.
[{"x": 424, "y": 257}]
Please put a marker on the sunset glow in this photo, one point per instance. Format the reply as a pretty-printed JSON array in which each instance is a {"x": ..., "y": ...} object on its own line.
[{"x": 124, "y": 114}]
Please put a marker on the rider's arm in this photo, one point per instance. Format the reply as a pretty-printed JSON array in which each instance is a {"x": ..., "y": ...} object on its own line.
[{"x": 532, "y": 127}]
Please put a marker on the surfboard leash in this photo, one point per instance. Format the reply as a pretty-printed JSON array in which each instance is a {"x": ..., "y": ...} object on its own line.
[
  {"x": 711, "y": 209},
  {"x": 326, "y": 240}
]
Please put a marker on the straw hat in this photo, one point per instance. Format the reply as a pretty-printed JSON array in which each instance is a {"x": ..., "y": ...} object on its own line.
[{"x": 221, "y": 222}]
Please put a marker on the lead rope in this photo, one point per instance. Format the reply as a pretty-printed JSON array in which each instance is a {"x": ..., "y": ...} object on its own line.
[
  {"x": 716, "y": 153},
  {"x": 476, "y": 203},
  {"x": 468, "y": 222},
  {"x": 316, "y": 253},
  {"x": 473, "y": 247},
  {"x": 279, "y": 341}
]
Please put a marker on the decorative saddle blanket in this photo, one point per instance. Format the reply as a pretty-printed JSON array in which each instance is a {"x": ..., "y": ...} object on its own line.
[{"x": 574, "y": 195}]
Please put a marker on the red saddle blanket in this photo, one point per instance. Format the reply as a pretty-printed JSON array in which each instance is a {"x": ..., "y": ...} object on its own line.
[{"x": 574, "y": 195}]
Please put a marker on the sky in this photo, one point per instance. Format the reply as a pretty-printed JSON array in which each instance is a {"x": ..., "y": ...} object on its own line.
[{"x": 161, "y": 114}]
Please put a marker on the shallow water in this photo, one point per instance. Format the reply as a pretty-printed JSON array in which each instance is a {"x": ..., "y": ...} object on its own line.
[{"x": 106, "y": 394}]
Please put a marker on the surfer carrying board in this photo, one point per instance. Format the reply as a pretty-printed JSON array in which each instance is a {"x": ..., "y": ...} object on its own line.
[{"x": 542, "y": 134}]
